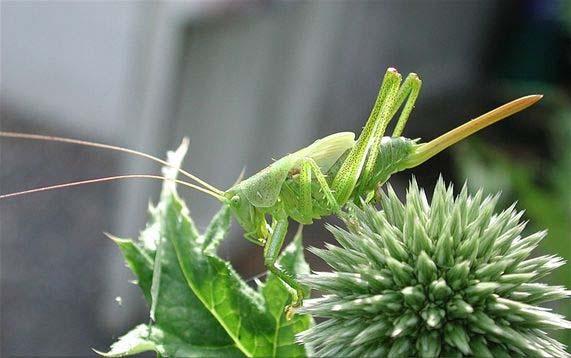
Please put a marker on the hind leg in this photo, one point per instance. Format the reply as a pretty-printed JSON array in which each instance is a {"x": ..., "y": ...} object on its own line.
[
  {"x": 348, "y": 174},
  {"x": 408, "y": 91}
]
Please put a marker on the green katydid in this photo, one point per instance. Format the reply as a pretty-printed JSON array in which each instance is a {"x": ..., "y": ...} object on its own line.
[{"x": 320, "y": 179}]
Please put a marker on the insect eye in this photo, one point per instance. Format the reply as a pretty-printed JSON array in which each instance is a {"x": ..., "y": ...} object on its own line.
[{"x": 235, "y": 200}]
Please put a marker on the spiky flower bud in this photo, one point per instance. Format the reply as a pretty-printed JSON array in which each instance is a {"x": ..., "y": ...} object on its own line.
[{"x": 451, "y": 278}]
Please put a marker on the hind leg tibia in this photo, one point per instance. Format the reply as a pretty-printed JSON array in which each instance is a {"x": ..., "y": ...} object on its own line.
[{"x": 408, "y": 91}]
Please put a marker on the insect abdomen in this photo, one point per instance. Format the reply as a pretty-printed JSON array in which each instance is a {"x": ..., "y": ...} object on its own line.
[{"x": 393, "y": 152}]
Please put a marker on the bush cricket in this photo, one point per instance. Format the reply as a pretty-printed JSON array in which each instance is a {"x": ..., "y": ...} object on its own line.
[{"x": 320, "y": 179}]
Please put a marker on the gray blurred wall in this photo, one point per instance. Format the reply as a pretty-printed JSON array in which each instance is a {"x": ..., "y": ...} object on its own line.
[{"x": 246, "y": 81}]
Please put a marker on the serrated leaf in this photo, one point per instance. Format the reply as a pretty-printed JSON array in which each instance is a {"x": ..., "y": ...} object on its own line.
[
  {"x": 202, "y": 306},
  {"x": 276, "y": 296},
  {"x": 142, "y": 339},
  {"x": 179, "y": 312}
]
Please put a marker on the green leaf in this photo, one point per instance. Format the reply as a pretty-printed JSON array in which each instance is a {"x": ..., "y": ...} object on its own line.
[
  {"x": 202, "y": 306},
  {"x": 142, "y": 339},
  {"x": 276, "y": 296}
]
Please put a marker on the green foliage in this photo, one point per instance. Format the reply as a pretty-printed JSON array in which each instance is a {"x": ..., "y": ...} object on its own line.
[
  {"x": 450, "y": 278},
  {"x": 200, "y": 304}
]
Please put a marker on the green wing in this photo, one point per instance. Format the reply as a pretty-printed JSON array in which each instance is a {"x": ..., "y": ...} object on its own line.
[
  {"x": 326, "y": 151},
  {"x": 263, "y": 188}
]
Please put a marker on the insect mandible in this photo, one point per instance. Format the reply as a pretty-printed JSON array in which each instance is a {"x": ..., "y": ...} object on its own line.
[{"x": 320, "y": 179}]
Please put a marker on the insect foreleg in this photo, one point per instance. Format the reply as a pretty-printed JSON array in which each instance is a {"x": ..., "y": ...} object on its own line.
[
  {"x": 409, "y": 90},
  {"x": 271, "y": 252}
]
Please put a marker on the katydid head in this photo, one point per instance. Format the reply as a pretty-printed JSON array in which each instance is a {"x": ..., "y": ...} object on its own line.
[{"x": 248, "y": 216}]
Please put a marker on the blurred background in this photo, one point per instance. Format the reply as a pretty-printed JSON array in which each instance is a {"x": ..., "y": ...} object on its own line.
[{"x": 247, "y": 81}]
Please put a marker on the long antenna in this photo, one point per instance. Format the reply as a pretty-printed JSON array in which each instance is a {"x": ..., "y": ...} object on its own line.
[
  {"x": 111, "y": 178},
  {"x": 111, "y": 147}
]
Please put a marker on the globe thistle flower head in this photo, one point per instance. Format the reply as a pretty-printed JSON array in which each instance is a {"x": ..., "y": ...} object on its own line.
[{"x": 449, "y": 278}]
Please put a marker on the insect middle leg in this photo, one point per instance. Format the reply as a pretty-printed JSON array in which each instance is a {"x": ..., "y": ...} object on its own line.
[
  {"x": 309, "y": 167},
  {"x": 271, "y": 252}
]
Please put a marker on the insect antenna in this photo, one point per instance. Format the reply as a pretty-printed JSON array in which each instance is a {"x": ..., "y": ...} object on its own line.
[
  {"x": 111, "y": 178},
  {"x": 110, "y": 147}
]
